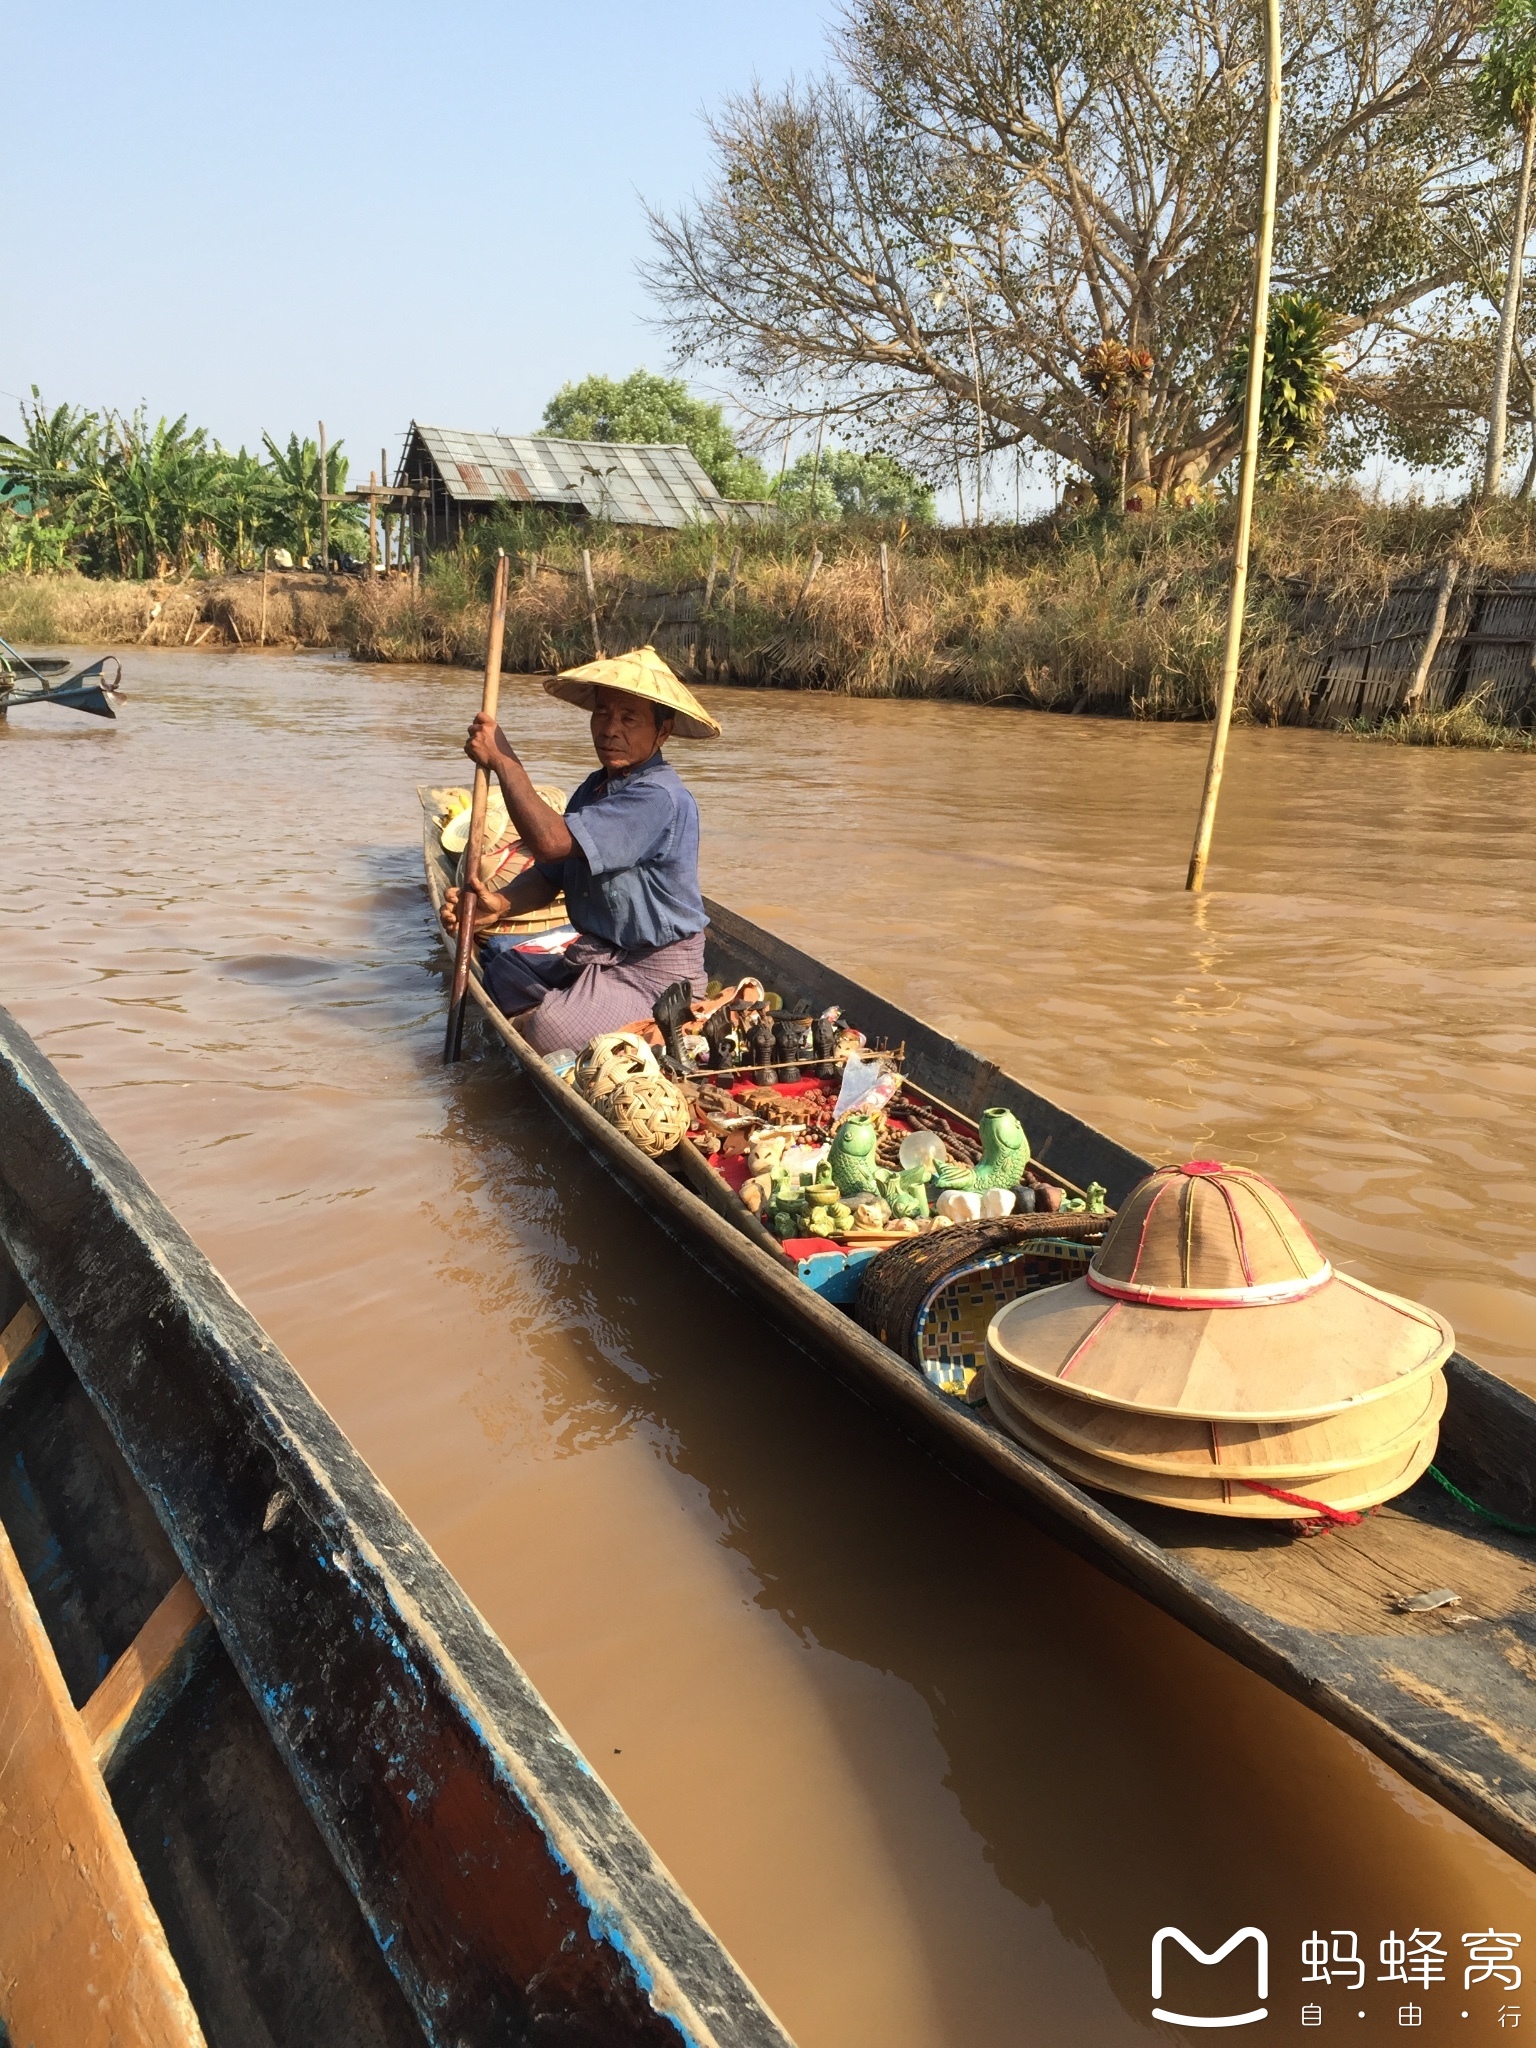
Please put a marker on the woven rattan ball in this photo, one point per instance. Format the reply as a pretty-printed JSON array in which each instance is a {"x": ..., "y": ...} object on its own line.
[
  {"x": 651, "y": 1111},
  {"x": 610, "y": 1059}
]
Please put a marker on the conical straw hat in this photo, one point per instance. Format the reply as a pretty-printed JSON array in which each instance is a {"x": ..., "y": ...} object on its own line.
[
  {"x": 1207, "y": 1298},
  {"x": 1244, "y": 1498},
  {"x": 1192, "y": 1448},
  {"x": 641, "y": 673}
]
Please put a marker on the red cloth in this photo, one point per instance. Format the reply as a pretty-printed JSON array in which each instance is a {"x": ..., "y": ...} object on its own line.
[{"x": 807, "y": 1247}]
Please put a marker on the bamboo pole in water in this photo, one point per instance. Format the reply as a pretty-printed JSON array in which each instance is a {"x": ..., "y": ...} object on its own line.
[
  {"x": 1258, "y": 335},
  {"x": 489, "y": 694},
  {"x": 325, "y": 508}
]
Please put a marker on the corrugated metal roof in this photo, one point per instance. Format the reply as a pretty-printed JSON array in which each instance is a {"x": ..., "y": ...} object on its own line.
[{"x": 631, "y": 483}]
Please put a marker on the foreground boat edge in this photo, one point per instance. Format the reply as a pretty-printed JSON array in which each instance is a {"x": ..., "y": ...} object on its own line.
[{"x": 375, "y": 1676}]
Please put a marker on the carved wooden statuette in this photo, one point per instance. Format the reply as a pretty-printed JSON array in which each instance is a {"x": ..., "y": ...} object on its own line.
[
  {"x": 786, "y": 1032},
  {"x": 761, "y": 1036}
]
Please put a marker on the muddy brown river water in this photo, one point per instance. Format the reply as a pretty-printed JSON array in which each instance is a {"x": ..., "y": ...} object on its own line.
[{"x": 933, "y": 1780}]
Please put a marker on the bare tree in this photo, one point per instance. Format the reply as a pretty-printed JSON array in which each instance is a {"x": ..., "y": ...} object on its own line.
[{"x": 984, "y": 191}]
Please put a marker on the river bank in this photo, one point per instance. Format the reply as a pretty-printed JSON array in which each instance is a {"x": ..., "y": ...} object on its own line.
[{"x": 1094, "y": 614}]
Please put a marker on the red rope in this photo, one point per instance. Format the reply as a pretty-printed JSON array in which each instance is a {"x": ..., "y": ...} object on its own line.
[{"x": 1343, "y": 1517}]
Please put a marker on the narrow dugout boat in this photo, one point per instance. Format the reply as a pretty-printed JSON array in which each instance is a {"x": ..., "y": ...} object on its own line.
[
  {"x": 1446, "y": 1695},
  {"x": 267, "y": 1777}
]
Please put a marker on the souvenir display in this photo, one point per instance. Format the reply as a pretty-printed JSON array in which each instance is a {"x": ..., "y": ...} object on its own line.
[{"x": 1211, "y": 1348}]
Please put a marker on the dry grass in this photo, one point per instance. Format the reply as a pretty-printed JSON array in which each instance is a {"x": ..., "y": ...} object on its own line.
[
  {"x": 78, "y": 611},
  {"x": 1094, "y": 614}
]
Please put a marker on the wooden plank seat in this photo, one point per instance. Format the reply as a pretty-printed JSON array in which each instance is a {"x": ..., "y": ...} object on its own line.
[{"x": 84, "y": 1961}]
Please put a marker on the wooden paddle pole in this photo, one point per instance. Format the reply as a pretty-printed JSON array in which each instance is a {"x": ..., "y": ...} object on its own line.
[
  {"x": 468, "y": 900},
  {"x": 1258, "y": 336}
]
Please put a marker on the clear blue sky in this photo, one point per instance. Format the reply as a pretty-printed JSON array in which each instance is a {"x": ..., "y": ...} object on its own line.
[{"x": 267, "y": 215}]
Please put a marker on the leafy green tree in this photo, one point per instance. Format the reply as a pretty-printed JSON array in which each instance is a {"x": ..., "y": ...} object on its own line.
[
  {"x": 1301, "y": 376},
  {"x": 1505, "y": 92},
  {"x": 979, "y": 193},
  {"x": 851, "y": 485},
  {"x": 646, "y": 407}
]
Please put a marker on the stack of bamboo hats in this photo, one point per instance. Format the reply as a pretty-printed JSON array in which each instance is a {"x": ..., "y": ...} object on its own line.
[{"x": 1212, "y": 1359}]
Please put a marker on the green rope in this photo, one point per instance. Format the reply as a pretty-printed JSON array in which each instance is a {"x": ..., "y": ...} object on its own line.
[{"x": 1502, "y": 1521}]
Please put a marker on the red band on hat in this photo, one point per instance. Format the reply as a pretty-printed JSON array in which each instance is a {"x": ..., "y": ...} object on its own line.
[
  {"x": 1264, "y": 1294},
  {"x": 1203, "y": 1166}
]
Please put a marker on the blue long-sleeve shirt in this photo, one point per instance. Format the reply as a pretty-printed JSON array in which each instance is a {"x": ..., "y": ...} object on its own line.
[{"x": 632, "y": 877}]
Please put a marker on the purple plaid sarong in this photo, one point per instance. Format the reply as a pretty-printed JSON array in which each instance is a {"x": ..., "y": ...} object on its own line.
[{"x": 560, "y": 1000}]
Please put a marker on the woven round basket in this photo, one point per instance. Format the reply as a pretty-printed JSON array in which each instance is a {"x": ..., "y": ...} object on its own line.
[
  {"x": 613, "y": 1057},
  {"x": 1190, "y": 1447},
  {"x": 931, "y": 1298},
  {"x": 649, "y": 1110},
  {"x": 1364, "y": 1486}
]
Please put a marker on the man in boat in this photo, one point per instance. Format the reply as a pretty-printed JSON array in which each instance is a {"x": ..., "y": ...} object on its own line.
[{"x": 625, "y": 854}]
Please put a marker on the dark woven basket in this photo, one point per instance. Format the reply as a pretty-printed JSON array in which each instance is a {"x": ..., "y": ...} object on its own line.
[{"x": 931, "y": 1298}]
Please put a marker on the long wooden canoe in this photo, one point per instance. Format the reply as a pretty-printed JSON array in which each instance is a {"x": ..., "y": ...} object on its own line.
[
  {"x": 1446, "y": 1696},
  {"x": 266, "y": 1775}
]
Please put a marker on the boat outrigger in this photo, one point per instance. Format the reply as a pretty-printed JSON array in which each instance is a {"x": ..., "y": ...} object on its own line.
[
  {"x": 266, "y": 1775},
  {"x": 90, "y": 689},
  {"x": 1443, "y": 1692}
]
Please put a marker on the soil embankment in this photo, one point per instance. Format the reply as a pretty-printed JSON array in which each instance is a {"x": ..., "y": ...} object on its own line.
[{"x": 1123, "y": 617}]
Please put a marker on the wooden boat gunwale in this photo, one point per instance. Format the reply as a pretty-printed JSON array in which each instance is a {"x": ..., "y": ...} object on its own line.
[
  {"x": 443, "y": 1786},
  {"x": 1453, "y": 1757}
]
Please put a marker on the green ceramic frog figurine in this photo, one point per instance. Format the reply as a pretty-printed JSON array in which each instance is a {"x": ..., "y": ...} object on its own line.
[
  {"x": 907, "y": 1193},
  {"x": 1004, "y": 1155},
  {"x": 1096, "y": 1202}
]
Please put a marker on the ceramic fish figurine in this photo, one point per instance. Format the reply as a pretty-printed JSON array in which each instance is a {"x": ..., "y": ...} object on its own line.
[
  {"x": 851, "y": 1161},
  {"x": 1004, "y": 1155}
]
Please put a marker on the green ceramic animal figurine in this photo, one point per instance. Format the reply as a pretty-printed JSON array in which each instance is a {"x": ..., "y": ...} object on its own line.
[
  {"x": 907, "y": 1193},
  {"x": 1096, "y": 1202},
  {"x": 851, "y": 1161},
  {"x": 1004, "y": 1155}
]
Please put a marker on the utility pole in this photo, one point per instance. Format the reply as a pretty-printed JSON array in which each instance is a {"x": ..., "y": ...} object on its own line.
[
  {"x": 1252, "y": 404},
  {"x": 325, "y": 506}
]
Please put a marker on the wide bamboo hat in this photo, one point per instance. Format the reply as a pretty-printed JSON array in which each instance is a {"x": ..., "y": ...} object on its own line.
[
  {"x": 1252, "y": 1496},
  {"x": 1191, "y": 1447},
  {"x": 1208, "y": 1299},
  {"x": 640, "y": 673}
]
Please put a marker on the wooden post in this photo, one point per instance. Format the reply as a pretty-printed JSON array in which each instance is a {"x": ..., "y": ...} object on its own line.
[
  {"x": 384, "y": 515},
  {"x": 263, "y": 640},
  {"x": 805, "y": 588},
  {"x": 373, "y": 522},
  {"x": 1258, "y": 336},
  {"x": 885, "y": 589},
  {"x": 1443, "y": 588},
  {"x": 325, "y": 507},
  {"x": 591, "y": 590},
  {"x": 714, "y": 570}
]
